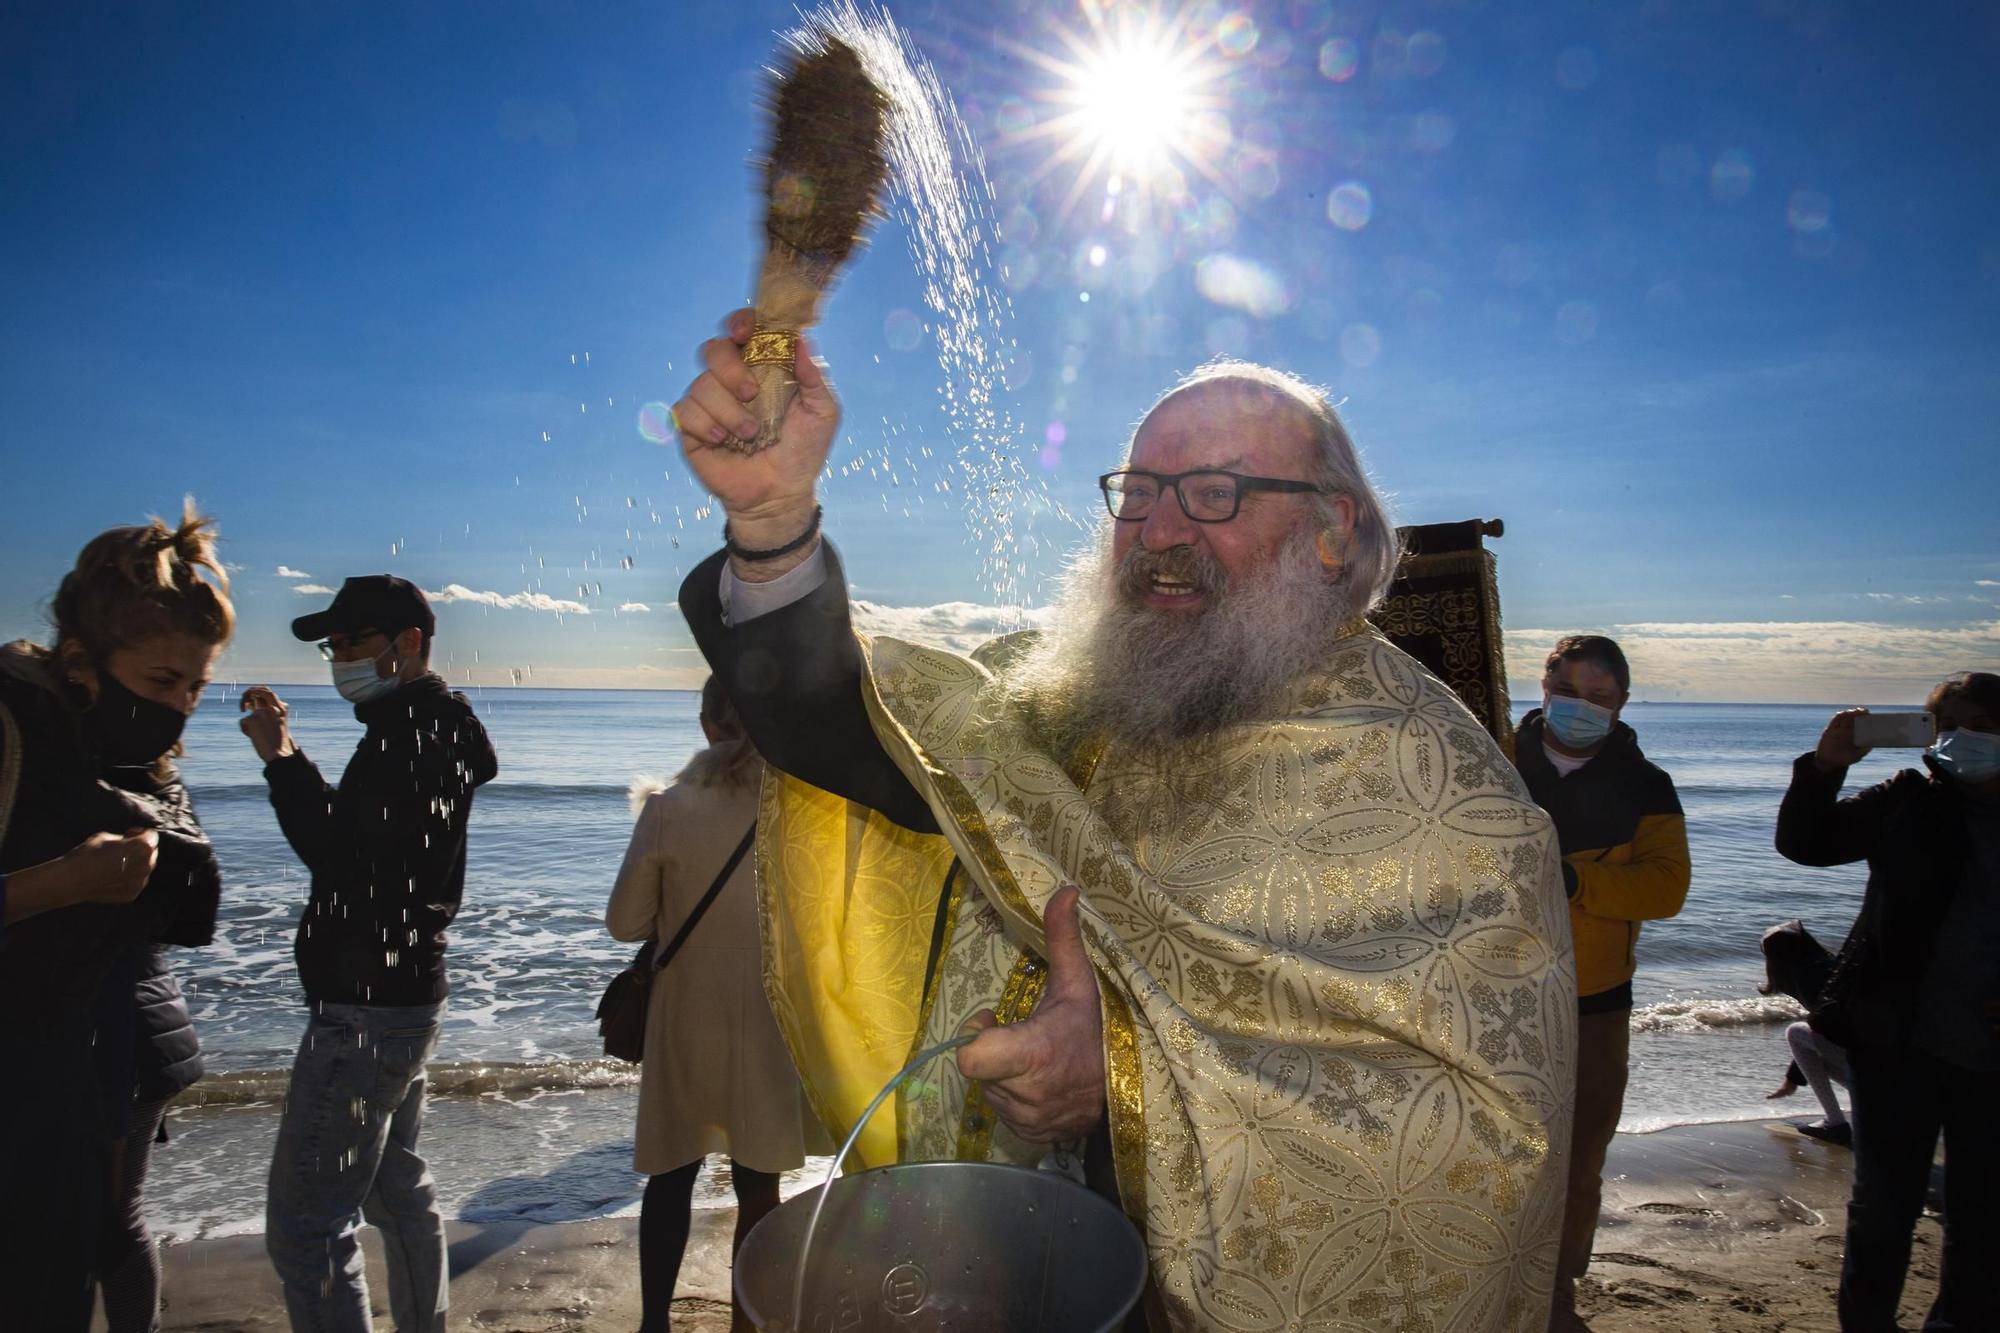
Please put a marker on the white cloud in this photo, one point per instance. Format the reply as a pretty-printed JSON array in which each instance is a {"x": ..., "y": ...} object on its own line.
[
  {"x": 1778, "y": 661},
  {"x": 957, "y": 626},
  {"x": 517, "y": 601},
  {"x": 633, "y": 608},
  {"x": 287, "y": 572},
  {"x": 1986, "y": 583},
  {"x": 313, "y": 589}
]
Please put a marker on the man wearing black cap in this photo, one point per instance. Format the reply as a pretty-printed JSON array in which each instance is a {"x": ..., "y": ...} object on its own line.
[{"x": 386, "y": 850}]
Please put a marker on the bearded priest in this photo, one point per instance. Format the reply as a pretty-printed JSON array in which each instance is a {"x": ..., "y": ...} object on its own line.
[{"x": 1255, "y": 922}]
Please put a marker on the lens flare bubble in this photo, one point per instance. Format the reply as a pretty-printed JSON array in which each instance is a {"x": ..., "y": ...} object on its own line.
[
  {"x": 1350, "y": 205},
  {"x": 1432, "y": 132},
  {"x": 1014, "y": 116},
  {"x": 1576, "y": 68},
  {"x": 1576, "y": 322},
  {"x": 656, "y": 422},
  {"x": 1242, "y": 284},
  {"x": 1360, "y": 345},
  {"x": 902, "y": 330},
  {"x": 1256, "y": 172},
  {"x": 1236, "y": 35},
  {"x": 1732, "y": 175},
  {"x": 1339, "y": 57},
  {"x": 1021, "y": 226},
  {"x": 1056, "y": 434},
  {"x": 1809, "y": 211},
  {"x": 1019, "y": 371},
  {"x": 1425, "y": 53}
]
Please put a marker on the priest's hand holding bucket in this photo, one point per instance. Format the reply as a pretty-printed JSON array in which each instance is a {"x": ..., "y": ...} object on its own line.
[{"x": 1044, "y": 1076}]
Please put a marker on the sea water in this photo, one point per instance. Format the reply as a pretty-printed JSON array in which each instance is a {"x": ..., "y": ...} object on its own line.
[{"x": 528, "y": 1120}]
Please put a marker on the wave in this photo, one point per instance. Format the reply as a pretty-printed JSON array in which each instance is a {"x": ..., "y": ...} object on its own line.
[
  {"x": 1704, "y": 1015},
  {"x": 448, "y": 1078},
  {"x": 231, "y": 792}
]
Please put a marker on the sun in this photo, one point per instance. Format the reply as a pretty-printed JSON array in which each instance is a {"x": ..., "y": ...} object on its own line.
[{"x": 1134, "y": 102}]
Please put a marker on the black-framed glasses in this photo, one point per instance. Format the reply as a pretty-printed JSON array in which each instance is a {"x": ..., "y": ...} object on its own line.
[
  {"x": 327, "y": 647},
  {"x": 1206, "y": 497}
]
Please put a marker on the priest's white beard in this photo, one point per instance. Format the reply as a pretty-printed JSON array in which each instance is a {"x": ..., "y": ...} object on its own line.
[{"x": 1111, "y": 666}]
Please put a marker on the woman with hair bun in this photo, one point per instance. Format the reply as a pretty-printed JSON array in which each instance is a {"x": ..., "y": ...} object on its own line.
[{"x": 101, "y": 861}]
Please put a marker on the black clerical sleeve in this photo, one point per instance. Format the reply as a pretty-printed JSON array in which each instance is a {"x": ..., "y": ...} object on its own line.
[{"x": 794, "y": 675}]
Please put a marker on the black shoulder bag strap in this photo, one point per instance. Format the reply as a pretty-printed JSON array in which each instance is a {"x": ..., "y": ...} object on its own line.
[{"x": 666, "y": 955}]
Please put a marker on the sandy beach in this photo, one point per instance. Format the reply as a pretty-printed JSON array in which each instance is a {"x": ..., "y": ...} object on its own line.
[{"x": 1720, "y": 1228}]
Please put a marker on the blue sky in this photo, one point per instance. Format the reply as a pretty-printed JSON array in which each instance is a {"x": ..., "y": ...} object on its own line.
[{"x": 1704, "y": 300}]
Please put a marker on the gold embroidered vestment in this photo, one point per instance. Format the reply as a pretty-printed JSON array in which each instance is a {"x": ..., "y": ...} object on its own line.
[{"x": 1334, "y": 959}]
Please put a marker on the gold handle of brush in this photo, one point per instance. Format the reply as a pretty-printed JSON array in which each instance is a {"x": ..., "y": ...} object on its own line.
[{"x": 771, "y": 355}]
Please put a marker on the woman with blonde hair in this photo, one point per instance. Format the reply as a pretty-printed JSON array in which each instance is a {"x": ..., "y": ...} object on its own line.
[
  {"x": 717, "y": 1077},
  {"x": 101, "y": 861}
]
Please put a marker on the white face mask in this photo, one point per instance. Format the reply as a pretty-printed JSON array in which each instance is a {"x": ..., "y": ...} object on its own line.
[
  {"x": 358, "y": 682},
  {"x": 1970, "y": 756}
]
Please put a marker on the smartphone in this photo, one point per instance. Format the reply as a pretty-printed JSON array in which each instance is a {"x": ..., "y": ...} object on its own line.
[{"x": 1909, "y": 730}]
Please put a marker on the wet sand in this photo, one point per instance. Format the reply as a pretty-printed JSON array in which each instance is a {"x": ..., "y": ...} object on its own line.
[{"x": 1718, "y": 1228}]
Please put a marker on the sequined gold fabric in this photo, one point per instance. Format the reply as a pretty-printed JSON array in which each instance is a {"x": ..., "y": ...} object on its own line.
[{"x": 1339, "y": 1006}]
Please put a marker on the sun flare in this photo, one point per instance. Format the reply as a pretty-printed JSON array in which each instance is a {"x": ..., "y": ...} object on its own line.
[{"x": 1133, "y": 102}]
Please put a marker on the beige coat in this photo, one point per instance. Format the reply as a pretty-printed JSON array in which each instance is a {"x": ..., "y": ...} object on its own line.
[{"x": 717, "y": 1077}]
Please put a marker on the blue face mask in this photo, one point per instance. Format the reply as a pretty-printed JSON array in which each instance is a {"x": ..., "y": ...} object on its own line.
[
  {"x": 1969, "y": 756},
  {"x": 1577, "y": 723}
]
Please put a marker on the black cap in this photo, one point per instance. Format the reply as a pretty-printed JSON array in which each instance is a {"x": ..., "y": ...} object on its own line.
[{"x": 380, "y": 601}]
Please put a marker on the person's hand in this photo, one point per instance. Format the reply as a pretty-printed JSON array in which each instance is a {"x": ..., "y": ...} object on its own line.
[
  {"x": 1044, "y": 1076},
  {"x": 1836, "y": 751},
  {"x": 265, "y": 722},
  {"x": 107, "y": 868},
  {"x": 1785, "y": 1089},
  {"x": 767, "y": 495}
]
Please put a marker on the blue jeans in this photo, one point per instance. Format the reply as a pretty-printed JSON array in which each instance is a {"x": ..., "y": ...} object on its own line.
[
  {"x": 1902, "y": 1099},
  {"x": 348, "y": 1141}
]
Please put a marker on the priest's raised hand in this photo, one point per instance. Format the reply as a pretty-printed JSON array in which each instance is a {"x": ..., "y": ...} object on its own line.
[{"x": 768, "y": 495}]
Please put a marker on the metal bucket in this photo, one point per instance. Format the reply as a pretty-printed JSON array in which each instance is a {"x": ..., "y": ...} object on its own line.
[
  {"x": 942, "y": 1247},
  {"x": 964, "y": 1246}
]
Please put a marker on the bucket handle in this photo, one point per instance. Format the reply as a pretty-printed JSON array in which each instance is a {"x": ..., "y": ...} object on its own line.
[{"x": 922, "y": 1058}]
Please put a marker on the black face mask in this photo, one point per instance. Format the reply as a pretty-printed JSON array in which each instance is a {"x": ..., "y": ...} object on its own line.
[{"x": 130, "y": 730}]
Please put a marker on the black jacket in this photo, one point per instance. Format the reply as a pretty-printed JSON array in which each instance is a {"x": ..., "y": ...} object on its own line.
[
  {"x": 386, "y": 848},
  {"x": 1911, "y": 831},
  {"x": 795, "y": 678},
  {"x": 144, "y": 1048},
  {"x": 52, "y": 965}
]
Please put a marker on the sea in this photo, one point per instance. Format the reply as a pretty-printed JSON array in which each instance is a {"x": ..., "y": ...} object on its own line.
[{"x": 528, "y": 1121}]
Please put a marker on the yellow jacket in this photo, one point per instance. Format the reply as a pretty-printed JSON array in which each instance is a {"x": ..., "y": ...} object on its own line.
[{"x": 1625, "y": 853}]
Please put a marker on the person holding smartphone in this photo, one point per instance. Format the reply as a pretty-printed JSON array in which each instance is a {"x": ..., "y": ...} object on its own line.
[{"x": 1915, "y": 996}]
